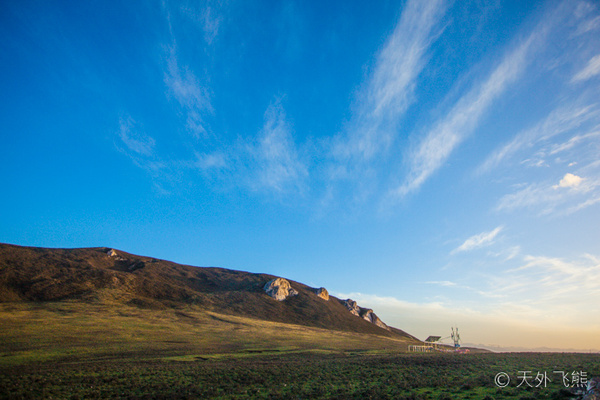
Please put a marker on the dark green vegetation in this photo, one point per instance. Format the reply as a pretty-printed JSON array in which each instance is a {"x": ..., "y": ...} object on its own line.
[{"x": 297, "y": 376}]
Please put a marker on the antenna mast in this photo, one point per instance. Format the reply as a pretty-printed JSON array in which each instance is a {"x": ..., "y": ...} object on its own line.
[{"x": 455, "y": 337}]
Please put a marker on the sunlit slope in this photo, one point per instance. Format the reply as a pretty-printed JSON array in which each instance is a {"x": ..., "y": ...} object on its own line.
[
  {"x": 94, "y": 300},
  {"x": 71, "y": 330}
]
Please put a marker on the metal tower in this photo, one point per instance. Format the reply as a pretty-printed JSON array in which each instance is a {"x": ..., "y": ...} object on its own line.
[{"x": 455, "y": 337}]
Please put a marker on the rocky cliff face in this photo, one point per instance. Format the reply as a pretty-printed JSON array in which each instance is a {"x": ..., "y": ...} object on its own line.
[
  {"x": 322, "y": 293},
  {"x": 113, "y": 253},
  {"x": 279, "y": 289},
  {"x": 352, "y": 307},
  {"x": 365, "y": 313},
  {"x": 370, "y": 316}
]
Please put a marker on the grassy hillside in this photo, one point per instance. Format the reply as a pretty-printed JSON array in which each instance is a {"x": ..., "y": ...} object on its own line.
[
  {"x": 60, "y": 304},
  {"x": 92, "y": 276}
]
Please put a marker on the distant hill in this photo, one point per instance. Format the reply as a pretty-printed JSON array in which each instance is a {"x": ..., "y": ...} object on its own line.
[{"x": 107, "y": 276}]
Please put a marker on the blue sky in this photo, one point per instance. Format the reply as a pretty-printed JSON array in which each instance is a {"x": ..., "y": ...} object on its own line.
[{"x": 437, "y": 161}]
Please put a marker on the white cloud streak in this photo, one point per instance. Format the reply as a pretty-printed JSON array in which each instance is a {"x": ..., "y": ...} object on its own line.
[
  {"x": 139, "y": 148},
  {"x": 403, "y": 58},
  {"x": 275, "y": 157},
  {"x": 206, "y": 16},
  {"x": 516, "y": 322},
  {"x": 377, "y": 302},
  {"x": 210, "y": 161},
  {"x": 586, "y": 11},
  {"x": 540, "y": 294},
  {"x": 390, "y": 90},
  {"x": 441, "y": 283},
  {"x": 135, "y": 141},
  {"x": 572, "y": 193},
  {"x": 572, "y": 142},
  {"x": 559, "y": 121},
  {"x": 464, "y": 117},
  {"x": 477, "y": 241},
  {"x": 590, "y": 70},
  {"x": 555, "y": 282},
  {"x": 191, "y": 95}
]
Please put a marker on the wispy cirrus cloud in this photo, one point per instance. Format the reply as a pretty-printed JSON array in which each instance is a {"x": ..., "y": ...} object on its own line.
[
  {"x": 206, "y": 16},
  {"x": 377, "y": 302},
  {"x": 506, "y": 254},
  {"x": 571, "y": 194},
  {"x": 557, "y": 294},
  {"x": 487, "y": 322},
  {"x": 134, "y": 140},
  {"x": 590, "y": 21},
  {"x": 268, "y": 161},
  {"x": 560, "y": 121},
  {"x": 573, "y": 141},
  {"x": 139, "y": 147},
  {"x": 209, "y": 161},
  {"x": 552, "y": 281},
  {"x": 590, "y": 70},
  {"x": 275, "y": 162},
  {"x": 477, "y": 241},
  {"x": 183, "y": 84},
  {"x": 192, "y": 96},
  {"x": 440, "y": 141},
  {"x": 442, "y": 283},
  {"x": 390, "y": 89}
]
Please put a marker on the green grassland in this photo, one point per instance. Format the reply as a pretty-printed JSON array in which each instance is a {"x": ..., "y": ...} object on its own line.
[
  {"x": 293, "y": 376},
  {"x": 72, "y": 350},
  {"x": 70, "y": 330}
]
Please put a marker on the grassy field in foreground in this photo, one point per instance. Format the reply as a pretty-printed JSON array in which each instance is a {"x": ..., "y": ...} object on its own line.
[
  {"x": 298, "y": 376},
  {"x": 72, "y": 331}
]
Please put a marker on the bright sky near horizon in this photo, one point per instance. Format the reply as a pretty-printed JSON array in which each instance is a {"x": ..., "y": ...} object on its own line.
[{"x": 438, "y": 161}]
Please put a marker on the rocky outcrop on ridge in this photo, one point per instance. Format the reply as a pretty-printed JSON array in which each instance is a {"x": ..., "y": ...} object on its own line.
[
  {"x": 370, "y": 316},
  {"x": 365, "y": 313},
  {"x": 322, "y": 293},
  {"x": 352, "y": 307},
  {"x": 279, "y": 289},
  {"x": 113, "y": 253}
]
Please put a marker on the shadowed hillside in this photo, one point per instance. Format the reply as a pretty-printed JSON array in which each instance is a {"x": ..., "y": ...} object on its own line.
[{"x": 105, "y": 276}]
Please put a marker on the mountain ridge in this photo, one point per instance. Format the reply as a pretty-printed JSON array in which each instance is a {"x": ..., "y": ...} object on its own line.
[{"x": 102, "y": 274}]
